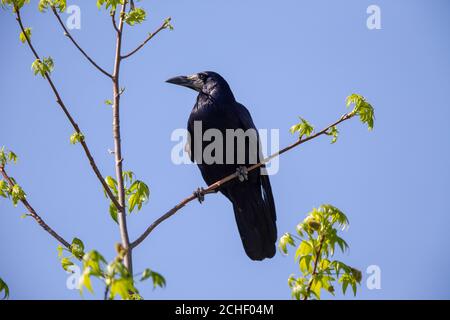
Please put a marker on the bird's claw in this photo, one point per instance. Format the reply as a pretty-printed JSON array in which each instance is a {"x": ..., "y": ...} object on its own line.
[
  {"x": 242, "y": 173},
  {"x": 200, "y": 194}
]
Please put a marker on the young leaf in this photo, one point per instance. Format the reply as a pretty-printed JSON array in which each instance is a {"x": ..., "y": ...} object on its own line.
[
  {"x": 334, "y": 132},
  {"x": 284, "y": 241},
  {"x": 303, "y": 128},
  {"x": 66, "y": 263},
  {"x": 76, "y": 137},
  {"x": 109, "y": 4},
  {"x": 362, "y": 108},
  {"x": 158, "y": 279},
  {"x": 43, "y": 67},
  {"x": 57, "y": 4},
  {"x": 112, "y": 183},
  {"x": 135, "y": 16},
  {"x": 123, "y": 287},
  {"x": 77, "y": 248},
  {"x": 113, "y": 212},
  {"x": 139, "y": 193},
  {"x": 4, "y": 189},
  {"x": 4, "y": 288},
  {"x": 17, "y": 194},
  {"x": 24, "y": 36},
  {"x": 167, "y": 24},
  {"x": 85, "y": 280},
  {"x": 60, "y": 250}
]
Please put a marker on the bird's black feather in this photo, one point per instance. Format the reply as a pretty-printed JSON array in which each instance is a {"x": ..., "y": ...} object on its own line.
[{"x": 252, "y": 199}]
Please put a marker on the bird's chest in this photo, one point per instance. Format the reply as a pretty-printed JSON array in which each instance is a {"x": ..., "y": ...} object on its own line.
[{"x": 215, "y": 118}]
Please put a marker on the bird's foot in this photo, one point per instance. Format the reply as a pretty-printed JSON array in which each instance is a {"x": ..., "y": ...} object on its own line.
[
  {"x": 200, "y": 194},
  {"x": 242, "y": 173}
]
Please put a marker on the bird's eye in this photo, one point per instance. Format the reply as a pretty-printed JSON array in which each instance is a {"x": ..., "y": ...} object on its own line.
[{"x": 202, "y": 76}]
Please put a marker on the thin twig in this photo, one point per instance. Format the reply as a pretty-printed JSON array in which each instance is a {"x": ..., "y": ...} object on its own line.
[
  {"x": 122, "y": 219},
  {"x": 33, "y": 213},
  {"x": 113, "y": 19},
  {"x": 316, "y": 263},
  {"x": 105, "y": 294},
  {"x": 149, "y": 37},
  {"x": 70, "y": 118},
  {"x": 215, "y": 186},
  {"x": 68, "y": 35}
]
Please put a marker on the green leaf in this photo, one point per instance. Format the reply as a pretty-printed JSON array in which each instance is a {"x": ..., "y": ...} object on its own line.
[
  {"x": 158, "y": 279},
  {"x": 305, "y": 264},
  {"x": 316, "y": 286},
  {"x": 77, "y": 248},
  {"x": 109, "y": 102},
  {"x": 167, "y": 24},
  {"x": 334, "y": 132},
  {"x": 94, "y": 261},
  {"x": 15, "y": 4},
  {"x": 12, "y": 157},
  {"x": 60, "y": 250},
  {"x": 85, "y": 280},
  {"x": 76, "y": 137},
  {"x": 135, "y": 16},
  {"x": 304, "y": 128},
  {"x": 17, "y": 194},
  {"x": 128, "y": 176},
  {"x": 66, "y": 263},
  {"x": 24, "y": 36},
  {"x": 284, "y": 241},
  {"x": 362, "y": 108},
  {"x": 112, "y": 183},
  {"x": 57, "y": 4},
  {"x": 109, "y": 4},
  {"x": 4, "y": 189},
  {"x": 113, "y": 212},
  {"x": 138, "y": 194},
  {"x": 43, "y": 67},
  {"x": 303, "y": 249},
  {"x": 122, "y": 287},
  {"x": 4, "y": 288}
]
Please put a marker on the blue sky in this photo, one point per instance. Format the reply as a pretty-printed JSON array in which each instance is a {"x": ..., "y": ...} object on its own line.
[{"x": 282, "y": 59}]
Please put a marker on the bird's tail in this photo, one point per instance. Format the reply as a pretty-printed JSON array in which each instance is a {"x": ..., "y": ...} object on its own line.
[{"x": 254, "y": 210}]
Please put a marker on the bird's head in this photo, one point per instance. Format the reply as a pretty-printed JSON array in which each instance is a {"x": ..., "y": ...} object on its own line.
[{"x": 208, "y": 82}]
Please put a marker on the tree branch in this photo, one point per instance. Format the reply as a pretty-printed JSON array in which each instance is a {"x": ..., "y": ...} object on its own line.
[
  {"x": 70, "y": 118},
  {"x": 316, "y": 263},
  {"x": 67, "y": 34},
  {"x": 215, "y": 186},
  {"x": 122, "y": 219},
  {"x": 113, "y": 18},
  {"x": 149, "y": 37},
  {"x": 33, "y": 213}
]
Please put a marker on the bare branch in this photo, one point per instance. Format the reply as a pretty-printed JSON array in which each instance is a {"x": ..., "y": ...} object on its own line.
[
  {"x": 122, "y": 218},
  {"x": 68, "y": 35},
  {"x": 215, "y": 186},
  {"x": 149, "y": 37},
  {"x": 33, "y": 213},
  {"x": 70, "y": 118},
  {"x": 113, "y": 18}
]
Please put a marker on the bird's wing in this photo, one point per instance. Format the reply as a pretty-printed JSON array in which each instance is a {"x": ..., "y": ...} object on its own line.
[
  {"x": 190, "y": 142},
  {"x": 244, "y": 117}
]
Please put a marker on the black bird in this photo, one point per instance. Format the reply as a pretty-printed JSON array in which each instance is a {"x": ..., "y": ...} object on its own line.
[{"x": 251, "y": 195}]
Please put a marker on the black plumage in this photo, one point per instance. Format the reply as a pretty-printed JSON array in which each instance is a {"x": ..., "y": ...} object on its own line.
[{"x": 252, "y": 199}]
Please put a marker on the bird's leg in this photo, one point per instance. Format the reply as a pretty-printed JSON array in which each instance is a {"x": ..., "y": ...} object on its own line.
[
  {"x": 200, "y": 194},
  {"x": 242, "y": 173}
]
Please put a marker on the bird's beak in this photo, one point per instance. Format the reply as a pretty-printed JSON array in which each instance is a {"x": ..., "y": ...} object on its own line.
[{"x": 191, "y": 82}]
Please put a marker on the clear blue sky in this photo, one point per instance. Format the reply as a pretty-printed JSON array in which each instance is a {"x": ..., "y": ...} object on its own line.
[{"x": 282, "y": 59}]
